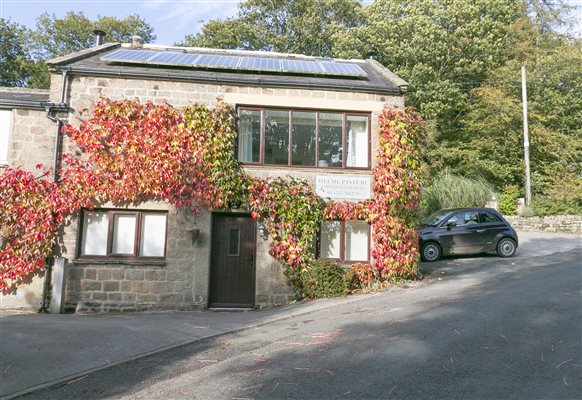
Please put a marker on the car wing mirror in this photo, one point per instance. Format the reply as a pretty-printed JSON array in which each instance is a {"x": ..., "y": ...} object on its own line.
[{"x": 451, "y": 225}]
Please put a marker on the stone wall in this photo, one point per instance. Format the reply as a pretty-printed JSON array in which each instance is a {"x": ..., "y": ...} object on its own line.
[
  {"x": 558, "y": 223},
  {"x": 181, "y": 282},
  {"x": 31, "y": 142},
  {"x": 135, "y": 285}
]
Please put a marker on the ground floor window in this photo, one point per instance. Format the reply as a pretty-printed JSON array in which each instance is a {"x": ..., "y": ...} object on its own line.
[
  {"x": 123, "y": 234},
  {"x": 345, "y": 241}
]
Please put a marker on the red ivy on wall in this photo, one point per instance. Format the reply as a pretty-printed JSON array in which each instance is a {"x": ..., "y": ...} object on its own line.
[
  {"x": 396, "y": 191},
  {"x": 129, "y": 152}
]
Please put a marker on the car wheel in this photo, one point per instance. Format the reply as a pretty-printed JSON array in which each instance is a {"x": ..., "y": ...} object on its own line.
[
  {"x": 431, "y": 252},
  {"x": 506, "y": 247}
]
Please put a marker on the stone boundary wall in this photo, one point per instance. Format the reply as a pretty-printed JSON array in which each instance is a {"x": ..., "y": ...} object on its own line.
[{"x": 556, "y": 223}]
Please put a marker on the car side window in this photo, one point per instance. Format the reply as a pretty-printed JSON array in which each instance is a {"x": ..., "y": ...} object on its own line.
[
  {"x": 464, "y": 218},
  {"x": 489, "y": 217}
]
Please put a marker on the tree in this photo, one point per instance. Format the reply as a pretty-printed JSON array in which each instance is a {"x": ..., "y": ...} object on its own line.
[
  {"x": 15, "y": 62},
  {"x": 443, "y": 49},
  {"x": 492, "y": 136},
  {"x": 54, "y": 37},
  {"x": 300, "y": 26}
]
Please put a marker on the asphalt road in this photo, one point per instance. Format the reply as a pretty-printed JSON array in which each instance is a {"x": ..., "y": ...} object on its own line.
[{"x": 507, "y": 329}]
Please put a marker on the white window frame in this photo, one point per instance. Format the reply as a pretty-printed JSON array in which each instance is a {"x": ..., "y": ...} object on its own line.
[
  {"x": 111, "y": 215},
  {"x": 343, "y": 239},
  {"x": 6, "y": 123}
]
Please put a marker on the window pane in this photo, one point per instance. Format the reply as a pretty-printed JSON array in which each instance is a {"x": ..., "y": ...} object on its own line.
[
  {"x": 357, "y": 141},
  {"x": 5, "y": 128},
  {"x": 330, "y": 140},
  {"x": 234, "y": 242},
  {"x": 94, "y": 235},
  {"x": 471, "y": 217},
  {"x": 123, "y": 234},
  {"x": 489, "y": 217},
  {"x": 303, "y": 138},
  {"x": 249, "y": 136},
  {"x": 276, "y": 137},
  {"x": 357, "y": 241},
  {"x": 330, "y": 240},
  {"x": 153, "y": 235}
]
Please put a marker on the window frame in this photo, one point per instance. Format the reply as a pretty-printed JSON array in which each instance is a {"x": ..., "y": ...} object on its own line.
[
  {"x": 345, "y": 114},
  {"x": 342, "y": 258},
  {"x": 5, "y": 152},
  {"x": 111, "y": 214}
]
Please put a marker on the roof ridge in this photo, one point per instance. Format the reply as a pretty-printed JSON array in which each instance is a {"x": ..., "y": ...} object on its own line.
[
  {"x": 239, "y": 52},
  {"x": 85, "y": 53}
]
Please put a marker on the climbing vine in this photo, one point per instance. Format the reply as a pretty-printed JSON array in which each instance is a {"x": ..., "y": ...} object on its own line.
[
  {"x": 292, "y": 214},
  {"x": 396, "y": 194},
  {"x": 130, "y": 152}
]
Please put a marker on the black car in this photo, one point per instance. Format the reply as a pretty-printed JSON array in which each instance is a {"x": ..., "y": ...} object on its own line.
[{"x": 466, "y": 231}]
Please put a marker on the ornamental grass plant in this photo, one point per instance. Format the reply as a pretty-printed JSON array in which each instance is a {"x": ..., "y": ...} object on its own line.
[{"x": 452, "y": 191}]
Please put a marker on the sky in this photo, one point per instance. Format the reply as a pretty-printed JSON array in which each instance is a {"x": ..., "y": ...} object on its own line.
[{"x": 172, "y": 20}]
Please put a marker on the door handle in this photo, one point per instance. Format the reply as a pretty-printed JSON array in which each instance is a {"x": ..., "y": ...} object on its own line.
[{"x": 480, "y": 230}]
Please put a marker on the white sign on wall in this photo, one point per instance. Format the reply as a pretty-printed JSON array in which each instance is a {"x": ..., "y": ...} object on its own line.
[{"x": 353, "y": 187}]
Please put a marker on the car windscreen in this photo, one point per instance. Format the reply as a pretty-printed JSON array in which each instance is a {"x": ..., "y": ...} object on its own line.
[{"x": 436, "y": 218}]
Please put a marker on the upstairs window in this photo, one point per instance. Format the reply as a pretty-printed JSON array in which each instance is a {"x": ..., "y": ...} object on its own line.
[
  {"x": 5, "y": 131},
  {"x": 123, "y": 234},
  {"x": 298, "y": 138}
]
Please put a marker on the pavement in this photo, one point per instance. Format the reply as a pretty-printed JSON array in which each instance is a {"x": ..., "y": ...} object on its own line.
[{"x": 43, "y": 350}]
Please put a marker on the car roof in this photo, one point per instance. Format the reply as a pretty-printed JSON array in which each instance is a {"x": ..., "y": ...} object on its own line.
[{"x": 469, "y": 209}]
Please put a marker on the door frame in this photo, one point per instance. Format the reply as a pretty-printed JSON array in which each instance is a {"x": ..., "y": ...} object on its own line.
[{"x": 231, "y": 214}]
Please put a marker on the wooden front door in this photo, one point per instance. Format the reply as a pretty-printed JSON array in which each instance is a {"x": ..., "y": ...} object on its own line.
[{"x": 232, "y": 272}]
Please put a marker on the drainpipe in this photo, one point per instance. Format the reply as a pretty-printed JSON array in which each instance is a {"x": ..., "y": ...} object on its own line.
[{"x": 49, "y": 108}]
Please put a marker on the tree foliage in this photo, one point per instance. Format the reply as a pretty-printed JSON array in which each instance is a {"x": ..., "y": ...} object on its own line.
[
  {"x": 15, "y": 61},
  {"x": 492, "y": 137},
  {"x": 300, "y": 26},
  {"x": 24, "y": 52}
]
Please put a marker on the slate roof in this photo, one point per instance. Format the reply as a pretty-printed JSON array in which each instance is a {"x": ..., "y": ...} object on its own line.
[
  {"x": 23, "y": 98},
  {"x": 88, "y": 62}
]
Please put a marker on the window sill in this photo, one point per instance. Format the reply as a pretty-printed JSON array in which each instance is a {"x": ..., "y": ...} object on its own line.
[{"x": 110, "y": 261}]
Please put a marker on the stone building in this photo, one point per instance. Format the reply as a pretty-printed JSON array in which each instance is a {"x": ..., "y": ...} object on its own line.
[{"x": 311, "y": 118}]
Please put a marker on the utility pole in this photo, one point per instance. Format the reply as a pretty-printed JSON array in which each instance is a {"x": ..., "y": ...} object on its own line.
[{"x": 525, "y": 138}]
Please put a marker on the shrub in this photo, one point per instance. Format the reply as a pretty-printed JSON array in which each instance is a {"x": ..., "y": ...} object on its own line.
[
  {"x": 324, "y": 278},
  {"x": 451, "y": 191},
  {"x": 508, "y": 200},
  {"x": 362, "y": 276},
  {"x": 528, "y": 211},
  {"x": 549, "y": 206}
]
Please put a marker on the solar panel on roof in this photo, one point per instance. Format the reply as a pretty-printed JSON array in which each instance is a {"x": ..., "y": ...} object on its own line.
[
  {"x": 314, "y": 67},
  {"x": 218, "y": 61},
  {"x": 130, "y": 55},
  {"x": 168, "y": 57},
  {"x": 301, "y": 66},
  {"x": 260, "y": 64},
  {"x": 342, "y": 68}
]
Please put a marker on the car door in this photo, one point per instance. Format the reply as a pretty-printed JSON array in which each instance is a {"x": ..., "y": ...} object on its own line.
[
  {"x": 490, "y": 227},
  {"x": 459, "y": 234}
]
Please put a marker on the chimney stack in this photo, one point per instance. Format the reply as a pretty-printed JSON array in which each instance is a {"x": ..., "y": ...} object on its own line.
[
  {"x": 99, "y": 35},
  {"x": 136, "y": 42}
]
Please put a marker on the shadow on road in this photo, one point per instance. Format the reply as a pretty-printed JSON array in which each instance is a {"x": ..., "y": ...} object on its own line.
[{"x": 479, "y": 337}]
